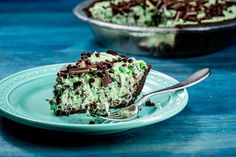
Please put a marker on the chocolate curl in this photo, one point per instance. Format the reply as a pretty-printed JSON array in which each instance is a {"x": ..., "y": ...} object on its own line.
[{"x": 106, "y": 80}]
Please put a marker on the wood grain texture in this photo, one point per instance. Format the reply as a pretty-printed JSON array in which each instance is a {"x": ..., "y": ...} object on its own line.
[{"x": 34, "y": 34}]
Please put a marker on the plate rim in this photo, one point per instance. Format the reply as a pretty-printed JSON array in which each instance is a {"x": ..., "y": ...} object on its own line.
[{"x": 80, "y": 127}]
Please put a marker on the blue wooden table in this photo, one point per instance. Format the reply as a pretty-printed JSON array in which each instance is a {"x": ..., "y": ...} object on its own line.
[{"x": 46, "y": 32}]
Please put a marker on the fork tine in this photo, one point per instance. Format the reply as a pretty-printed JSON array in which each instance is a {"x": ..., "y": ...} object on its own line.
[
  {"x": 116, "y": 116},
  {"x": 114, "y": 113}
]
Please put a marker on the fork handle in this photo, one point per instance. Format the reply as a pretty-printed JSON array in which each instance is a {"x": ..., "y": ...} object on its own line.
[{"x": 190, "y": 81}]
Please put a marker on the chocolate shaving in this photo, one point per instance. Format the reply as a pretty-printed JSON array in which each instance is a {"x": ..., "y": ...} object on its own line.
[
  {"x": 82, "y": 70},
  {"x": 64, "y": 68},
  {"x": 106, "y": 80},
  {"x": 112, "y": 52},
  {"x": 119, "y": 83},
  {"x": 99, "y": 65}
]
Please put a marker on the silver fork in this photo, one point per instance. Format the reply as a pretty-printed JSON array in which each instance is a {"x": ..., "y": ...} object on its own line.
[{"x": 131, "y": 112}]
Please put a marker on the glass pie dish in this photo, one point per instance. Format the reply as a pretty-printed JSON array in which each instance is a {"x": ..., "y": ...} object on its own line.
[{"x": 160, "y": 41}]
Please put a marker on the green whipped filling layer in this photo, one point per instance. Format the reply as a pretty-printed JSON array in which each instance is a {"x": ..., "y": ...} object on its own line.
[
  {"x": 87, "y": 91},
  {"x": 153, "y": 15}
]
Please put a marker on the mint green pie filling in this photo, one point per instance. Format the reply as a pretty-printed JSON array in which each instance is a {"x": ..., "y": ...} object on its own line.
[
  {"x": 103, "y": 11},
  {"x": 120, "y": 90}
]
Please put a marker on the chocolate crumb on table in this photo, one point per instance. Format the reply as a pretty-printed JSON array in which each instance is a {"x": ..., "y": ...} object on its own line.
[{"x": 149, "y": 103}]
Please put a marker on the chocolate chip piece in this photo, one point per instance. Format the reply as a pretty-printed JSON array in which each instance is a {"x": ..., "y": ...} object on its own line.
[
  {"x": 77, "y": 84},
  {"x": 114, "y": 60},
  {"x": 123, "y": 104},
  {"x": 112, "y": 52},
  {"x": 66, "y": 86},
  {"x": 69, "y": 66},
  {"x": 130, "y": 60},
  {"x": 83, "y": 54},
  {"x": 89, "y": 54},
  {"x": 92, "y": 122},
  {"x": 93, "y": 106},
  {"x": 92, "y": 80},
  {"x": 120, "y": 59},
  {"x": 97, "y": 54},
  {"x": 59, "y": 79},
  {"x": 84, "y": 57},
  {"x": 109, "y": 65},
  {"x": 87, "y": 62},
  {"x": 125, "y": 60},
  {"x": 99, "y": 74},
  {"x": 149, "y": 103},
  {"x": 82, "y": 95},
  {"x": 124, "y": 65},
  {"x": 111, "y": 71},
  {"x": 55, "y": 92}
]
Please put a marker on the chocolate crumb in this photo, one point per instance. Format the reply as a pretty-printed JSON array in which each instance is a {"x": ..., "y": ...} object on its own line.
[
  {"x": 59, "y": 79},
  {"x": 83, "y": 54},
  {"x": 99, "y": 74},
  {"x": 93, "y": 106},
  {"x": 124, "y": 65},
  {"x": 130, "y": 60},
  {"x": 92, "y": 80},
  {"x": 112, "y": 52},
  {"x": 104, "y": 67},
  {"x": 125, "y": 60},
  {"x": 69, "y": 66},
  {"x": 149, "y": 103},
  {"x": 97, "y": 54},
  {"x": 89, "y": 54},
  {"x": 120, "y": 59},
  {"x": 111, "y": 71},
  {"x": 109, "y": 65},
  {"x": 77, "y": 84},
  {"x": 84, "y": 57},
  {"x": 87, "y": 62},
  {"x": 114, "y": 60}
]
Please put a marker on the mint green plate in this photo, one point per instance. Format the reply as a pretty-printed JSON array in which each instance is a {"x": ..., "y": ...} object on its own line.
[{"x": 23, "y": 99}]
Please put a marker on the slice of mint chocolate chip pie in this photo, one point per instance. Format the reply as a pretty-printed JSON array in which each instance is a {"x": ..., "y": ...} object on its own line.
[{"x": 98, "y": 82}]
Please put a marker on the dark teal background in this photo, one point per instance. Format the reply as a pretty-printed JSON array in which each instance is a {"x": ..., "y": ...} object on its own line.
[{"x": 35, "y": 33}]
